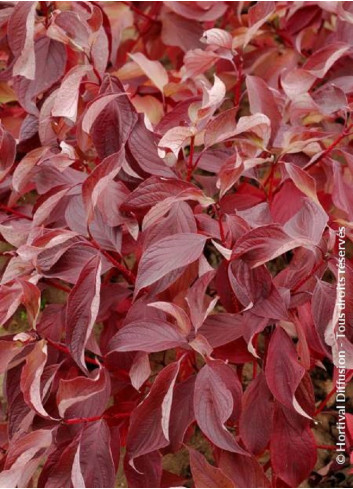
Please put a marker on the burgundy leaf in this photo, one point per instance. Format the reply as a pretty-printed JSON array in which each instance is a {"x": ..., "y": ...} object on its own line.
[
  {"x": 82, "y": 309},
  {"x": 167, "y": 255},
  {"x": 214, "y": 404},
  {"x": 205, "y": 474},
  {"x": 149, "y": 425},
  {"x": 288, "y": 425},
  {"x": 256, "y": 416},
  {"x": 147, "y": 336},
  {"x": 283, "y": 370}
]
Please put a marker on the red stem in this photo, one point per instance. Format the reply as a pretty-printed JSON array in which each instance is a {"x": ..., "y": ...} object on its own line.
[
  {"x": 331, "y": 147},
  {"x": 14, "y": 212},
  {"x": 326, "y": 447},
  {"x": 128, "y": 274},
  {"x": 308, "y": 277},
  {"x": 237, "y": 89},
  {"x": 220, "y": 224},
  {"x": 139, "y": 12},
  {"x": 323, "y": 403},
  {"x": 190, "y": 160},
  {"x": 96, "y": 418},
  {"x": 57, "y": 285},
  {"x": 64, "y": 349}
]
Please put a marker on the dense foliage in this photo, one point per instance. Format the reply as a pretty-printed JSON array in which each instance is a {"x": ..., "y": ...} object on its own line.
[{"x": 173, "y": 179}]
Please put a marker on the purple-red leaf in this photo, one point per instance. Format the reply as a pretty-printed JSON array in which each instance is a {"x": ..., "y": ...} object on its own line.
[{"x": 82, "y": 309}]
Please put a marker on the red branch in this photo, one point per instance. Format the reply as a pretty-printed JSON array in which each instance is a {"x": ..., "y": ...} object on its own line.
[
  {"x": 64, "y": 349},
  {"x": 326, "y": 447},
  {"x": 308, "y": 277},
  {"x": 323, "y": 403},
  {"x": 128, "y": 274},
  {"x": 57, "y": 285},
  {"x": 190, "y": 160},
  {"x": 331, "y": 147},
  {"x": 96, "y": 418},
  {"x": 14, "y": 212},
  {"x": 139, "y": 12}
]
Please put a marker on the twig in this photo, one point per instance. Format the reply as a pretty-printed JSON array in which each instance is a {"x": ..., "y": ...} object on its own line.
[
  {"x": 332, "y": 146},
  {"x": 139, "y": 12},
  {"x": 190, "y": 160},
  {"x": 14, "y": 212},
  {"x": 128, "y": 274}
]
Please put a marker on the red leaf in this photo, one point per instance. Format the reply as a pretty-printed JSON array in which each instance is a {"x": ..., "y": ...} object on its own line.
[
  {"x": 82, "y": 309},
  {"x": 92, "y": 401},
  {"x": 50, "y": 61},
  {"x": 214, "y": 404},
  {"x": 256, "y": 416},
  {"x": 96, "y": 460},
  {"x": 21, "y": 39},
  {"x": 167, "y": 255},
  {"x": 149, "y": 424},
  {"x": 291, "y": 462},
  {"x": 205, "y": 474},
  {"x": 97, "y": 181},
  {"x": 243, "y": 471},
  {"x": 23, "y": 458},
  {"x": 263, "y": 244},
  {"x": 67, "y": 96},
  {"x": 283, "y": 370},
  {"x": 7, "y": 152},
  {"x": 147, "y": 336},
  {"x": 31, "y": 378}
]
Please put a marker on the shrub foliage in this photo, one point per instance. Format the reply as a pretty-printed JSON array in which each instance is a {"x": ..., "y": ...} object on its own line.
[{"x": 173, "y": 179}]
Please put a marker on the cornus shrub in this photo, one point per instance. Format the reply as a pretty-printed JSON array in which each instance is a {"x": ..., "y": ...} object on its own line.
[{"x": 176, "y": 204}]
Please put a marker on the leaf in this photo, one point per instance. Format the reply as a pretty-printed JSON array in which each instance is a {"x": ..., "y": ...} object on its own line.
[
  {"x": 176, "y": 139},
  {"x": 256, "y": 416},
  {"x": 8, "y": 350},
  {"x": 222, "y": 328},
  {"x": 154, "y": 190},
  {"x": 50, "y": 61},
  {"x": 21, "y": 39},
  {"x": 147, "y": 471},
  {"x": 154, "y": 70},
  {"x": 143, "y": 149},
  {"x": 66, "y": 98},
  {"x": 205, "y": 474},
  {"x": 96, "y": 460},
  {"x": 262, "y": 100},
  {"x": 140, "y": 370},
  {"x": 283, "y": 370},
  {"x": 213, "y": 406},
  {"x": 219, "y": 37},
  {"x": 82, "y": 309},
  {"x": 288, "y": 425},
  {"x": 263, "y": 244},
  {"x": 182, "y": 412},
  {"x": 31, "y": 378},
  {"x": 94, "y": 395},
  {"x": 147, "y": 336},
  {"x": 322, "y": 60},
  {"x": 63, "y": 467},
  {"x": 167, "y": 255},
  {"x": 95, "y": 109},
  {"x": 97, "y": 181},
  {"x": 182, "y": 319},
  {"x": 24, "y": 458},
  {"x": 111, "y": 125},
  {"x": 224, "y": 127},
  {"x": 243, "y": 471},
  {"x": 149, "y": 424},
  {"x": 308, "y": 224},
  {"x": 7, "y": 152}
]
